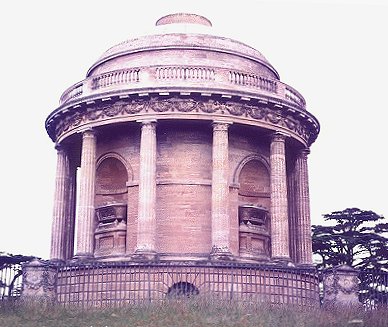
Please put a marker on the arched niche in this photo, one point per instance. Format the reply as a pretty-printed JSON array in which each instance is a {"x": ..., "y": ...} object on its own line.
[
  {"x": 253, "y": 178},
  {"x": 112, "y": 175}
]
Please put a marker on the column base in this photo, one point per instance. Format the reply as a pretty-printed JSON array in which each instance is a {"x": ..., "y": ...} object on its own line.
[
  {"x": 222, "y": 254},
  {"x": 83, "y": 257},
  {"x": 305, "y": 265},
  {"x": 57, "y": 262},
  {"x": 145, "y": 255},
  {"x": 283, "y": 261}
]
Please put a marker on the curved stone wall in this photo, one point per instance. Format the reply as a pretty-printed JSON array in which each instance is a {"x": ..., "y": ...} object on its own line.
[{"x": 177, "y": 136}]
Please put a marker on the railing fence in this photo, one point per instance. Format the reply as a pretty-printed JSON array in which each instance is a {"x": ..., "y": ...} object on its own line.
[
  {"x": 116, "y": 283},
  {"x": 373, "y": 288},
  {"x": 10, "y": 281}
]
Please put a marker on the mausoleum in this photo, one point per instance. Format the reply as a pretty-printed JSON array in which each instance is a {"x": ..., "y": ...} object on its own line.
[{"x": 182, "y": 169}]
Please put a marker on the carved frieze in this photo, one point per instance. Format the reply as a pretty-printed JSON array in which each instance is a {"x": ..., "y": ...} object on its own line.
[
  {"x": 209, "y": 107},
  {"x": 122, "y": 108}
]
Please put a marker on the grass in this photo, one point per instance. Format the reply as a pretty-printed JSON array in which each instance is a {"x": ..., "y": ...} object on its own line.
[{"x": 187, "y": 313}]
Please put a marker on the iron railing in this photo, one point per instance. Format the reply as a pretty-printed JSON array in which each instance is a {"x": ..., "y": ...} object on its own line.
[
  {"x": 373, "y": 288},
  {"x": 101, "y": 284},
  {"x": 10, "y": 281},
  {"x": 117, "y": 283}
]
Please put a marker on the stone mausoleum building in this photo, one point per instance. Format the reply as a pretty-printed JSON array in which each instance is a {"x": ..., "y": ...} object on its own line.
[{"x": 182, "y": 169}]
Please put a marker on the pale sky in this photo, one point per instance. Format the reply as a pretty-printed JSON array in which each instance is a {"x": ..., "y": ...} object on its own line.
[{"x": 334, "y": 53}]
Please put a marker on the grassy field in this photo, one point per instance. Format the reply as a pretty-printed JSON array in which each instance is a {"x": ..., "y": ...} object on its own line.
[{"x": 189, "y": 313}]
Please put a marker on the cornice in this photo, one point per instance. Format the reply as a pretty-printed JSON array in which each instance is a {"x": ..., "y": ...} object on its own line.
[{"x": 266, "y": 114}]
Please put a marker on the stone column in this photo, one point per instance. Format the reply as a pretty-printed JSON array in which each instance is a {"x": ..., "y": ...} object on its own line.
[
  {"x": 61, "y": 205},
  {"x": 85, "y": 206},
  {"x": 70, "y": 224},
  {"x": 292, "y": 213},
  {"x": 279, "y": 205},
  {"x": 220, "y": 192},
  {"x": 303, "y": 223},
  {"x": 146, "y": 226}
]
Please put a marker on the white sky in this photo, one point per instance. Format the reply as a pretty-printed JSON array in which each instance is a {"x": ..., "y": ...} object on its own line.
[{"x": 334, "y": 52}]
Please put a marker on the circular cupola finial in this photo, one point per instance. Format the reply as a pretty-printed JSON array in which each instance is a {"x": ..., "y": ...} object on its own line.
[{"x": 183, "y": 18}]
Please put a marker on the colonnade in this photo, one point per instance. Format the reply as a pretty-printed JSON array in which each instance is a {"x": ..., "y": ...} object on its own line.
[{"x": 64, "y": 201}]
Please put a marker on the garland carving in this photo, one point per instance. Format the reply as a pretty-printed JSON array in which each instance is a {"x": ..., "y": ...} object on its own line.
[{"x": 126, "y": 108}]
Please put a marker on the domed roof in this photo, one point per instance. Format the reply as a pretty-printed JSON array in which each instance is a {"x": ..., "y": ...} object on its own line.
[
  {"x": 183, "y": 31},
  {"x": 183, "y": 59},
  {"x": 183, "y": 18}
]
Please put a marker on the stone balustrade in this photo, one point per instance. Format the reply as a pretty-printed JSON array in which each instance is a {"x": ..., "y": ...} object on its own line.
[
  {"x": 185, "y": 73},
  {"x": 117, "y": 77},
  {"x": 294, "y": 96},
  {"x": 72, "y": 92},
  {"x": 260, "y": 82},
  {"x": 141, "y": 78}
]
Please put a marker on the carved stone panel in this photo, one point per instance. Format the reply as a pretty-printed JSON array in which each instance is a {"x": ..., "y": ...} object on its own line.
[
  {"x": 39, "y": 281},
  {"x": 340, "y": 286}
]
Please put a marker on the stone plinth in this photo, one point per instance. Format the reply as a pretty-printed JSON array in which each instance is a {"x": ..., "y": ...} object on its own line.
[
  {"x": 110, "y": 239},
  {"x": 39, "y": 281},
  {"x": 340, "y": 286}
]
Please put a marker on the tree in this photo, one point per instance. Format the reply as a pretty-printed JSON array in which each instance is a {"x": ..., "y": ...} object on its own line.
[
  {"x": 357, "y": 238},
  {"x": 10, "y": 271}
]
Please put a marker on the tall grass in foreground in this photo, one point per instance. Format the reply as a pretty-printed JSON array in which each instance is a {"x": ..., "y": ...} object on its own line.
[{"x": 182, "y": 313}]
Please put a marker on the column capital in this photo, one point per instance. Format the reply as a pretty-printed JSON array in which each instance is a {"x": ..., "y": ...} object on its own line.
[
  {"x": 147, "y": 122},
  {"x": 59, "y": 147},
  {"x": 88, "y": 132},
  {"x": 219, "y": 125},
  {"x": 304, "y": 152},
  {"x": 279, "y": 136}
]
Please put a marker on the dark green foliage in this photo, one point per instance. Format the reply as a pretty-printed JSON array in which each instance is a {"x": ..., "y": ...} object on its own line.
[
  {"x": 11, "y": 259},
  {"x": 355, "y": 237},
  {"x": 10, "y": 271}
]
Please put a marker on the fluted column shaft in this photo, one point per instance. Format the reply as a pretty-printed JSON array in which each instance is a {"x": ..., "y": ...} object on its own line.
[
  {"x": 61, "y": 204},
  {"x": 220, "y": 190},
  {"x": 303, "y": 222},
  {"x": 279, "y": 203},
  {"x": 146, "y": 231},
  {"x": 85, "y": 207},
  {"x": 70, "y": 224}
]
